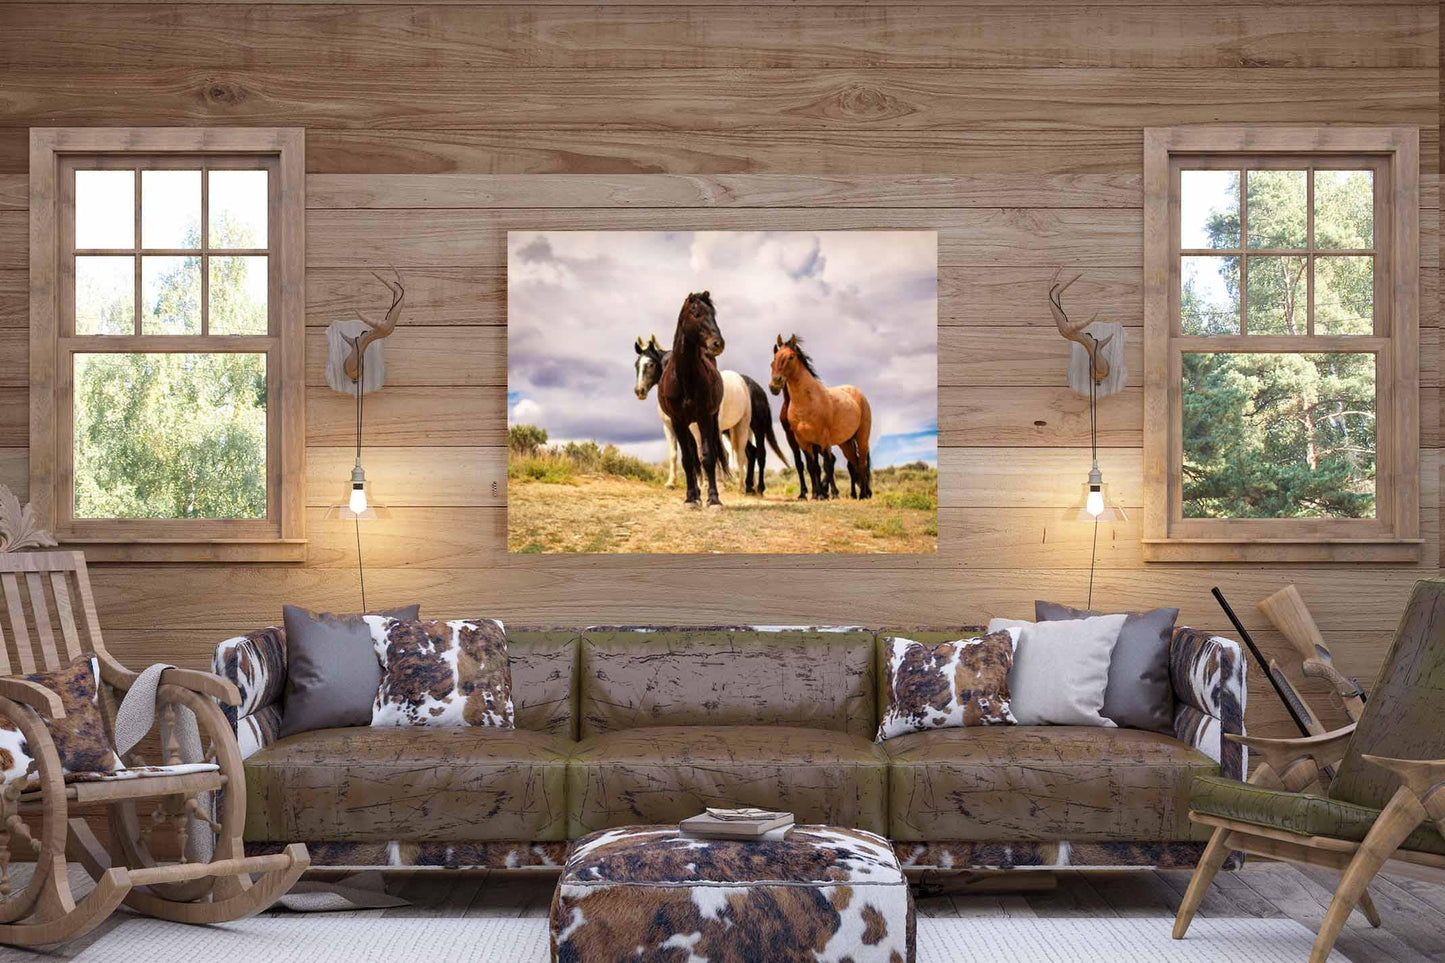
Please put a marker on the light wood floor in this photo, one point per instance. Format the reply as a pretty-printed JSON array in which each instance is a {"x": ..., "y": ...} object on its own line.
[{"x": 1413, "y": 912}]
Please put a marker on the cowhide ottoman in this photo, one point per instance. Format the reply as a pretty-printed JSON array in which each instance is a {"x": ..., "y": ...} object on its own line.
[{"x": 651, "y": 895}]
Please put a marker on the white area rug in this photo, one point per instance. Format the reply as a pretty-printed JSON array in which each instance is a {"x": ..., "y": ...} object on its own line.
[{"x": 319, "y": 939}]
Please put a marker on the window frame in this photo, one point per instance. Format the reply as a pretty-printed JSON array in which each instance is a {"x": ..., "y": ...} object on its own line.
[
  {"x": 55, "y": 153},
  {"x": 1393, "y": 535}
]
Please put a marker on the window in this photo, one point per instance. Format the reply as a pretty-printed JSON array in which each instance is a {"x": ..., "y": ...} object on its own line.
[
  {"x": 1281, "y": 354},
  {"x": 166, "y": 382}
]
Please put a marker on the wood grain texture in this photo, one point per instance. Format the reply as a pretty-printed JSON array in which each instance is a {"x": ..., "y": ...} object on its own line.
[
  {"x": 709, "y": 99},
  {"x": 748, "y": 37}
]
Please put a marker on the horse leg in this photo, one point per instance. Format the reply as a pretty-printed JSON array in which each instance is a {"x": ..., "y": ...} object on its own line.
[
  {"x": 688, "y": 446},
  {"x": 739, "y": 439},
  {"x": 817, "y": 470},
  {"x": 762, "y": 459},
  {"x": 711, "y": 449},
  {"x": 802, "y": 472},
  {"x": 752, "y": 452},
  {"x": 671, "y": 452}
]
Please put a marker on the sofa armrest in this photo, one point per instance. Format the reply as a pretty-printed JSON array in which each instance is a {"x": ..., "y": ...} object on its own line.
[
  {"x": 1208, "y": 675},
  {"x": 255, "y": 664}
]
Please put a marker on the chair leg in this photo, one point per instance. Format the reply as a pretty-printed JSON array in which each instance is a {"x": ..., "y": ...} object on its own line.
[
  {"x": 1367, "y": 906},
  {"x": 78, "y": 920},
  {"x": 1214, "y": 856},
  {"x": 1397, "y": 821}
]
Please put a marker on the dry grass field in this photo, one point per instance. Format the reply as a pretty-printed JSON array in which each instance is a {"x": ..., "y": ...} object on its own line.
[{"x": 599, "y": 512}]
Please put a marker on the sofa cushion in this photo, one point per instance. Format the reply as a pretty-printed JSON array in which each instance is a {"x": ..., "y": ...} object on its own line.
[
  {"x": 544, "y": 679},
  {"x": 439, "y": 673},
  {"x": 727, "y": 677},
  {"x": 1077, "y": 783},
  {"x": 1297, "y": 812},
  {"x": 377, "y": 784},
  {"x": 661, "y": 774}
]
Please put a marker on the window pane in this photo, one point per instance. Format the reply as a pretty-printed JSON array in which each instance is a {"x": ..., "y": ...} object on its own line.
[
  {"x": 239, "y": 208},
  {"x": 238, "y": 295},
  {"x": 1209, "y": 209},
  {"x": 1209, "y": 295},
  {"x": 1345, "y": 209},
  {"x": 105, "y": 295},
  {"x": 170, "y": 295},
  {"x": 1275, "y": 206},
  {"x": 1345, "y": 294},
  {"x": 170, "y": 435},
  {"x": 104, "y": 209},
  {"x": 1274, "y": 435},
  {"x": 170, "y": 209},
  {"x": 1276, "y": 302}
]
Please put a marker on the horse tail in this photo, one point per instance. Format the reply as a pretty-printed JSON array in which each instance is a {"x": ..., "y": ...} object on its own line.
[
  {"x": 773, "y": 439},
  {"x": 865, "y": 428},
  {"x": 712, "y": 437}
]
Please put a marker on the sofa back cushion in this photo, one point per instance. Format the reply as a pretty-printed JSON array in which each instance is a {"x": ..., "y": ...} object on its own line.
[
  {"x": 544, "y": 673},
  {"x": 632, "y": 678}
]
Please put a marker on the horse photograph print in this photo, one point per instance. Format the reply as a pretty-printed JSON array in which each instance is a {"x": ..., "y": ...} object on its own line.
[{"x": 651, "y": 373}]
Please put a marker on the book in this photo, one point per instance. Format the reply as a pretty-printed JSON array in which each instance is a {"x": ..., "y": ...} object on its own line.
[{"x": 737, "y": 824}]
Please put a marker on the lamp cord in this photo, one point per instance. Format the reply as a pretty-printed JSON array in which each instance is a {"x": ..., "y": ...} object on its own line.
[
  {"x": 1093, "y": 560},
  {"x": 356, "y": 519},
  {"x": 1094, "y": 447}
]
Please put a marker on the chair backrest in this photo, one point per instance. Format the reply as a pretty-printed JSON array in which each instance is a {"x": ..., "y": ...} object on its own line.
[
  {"x": 1403, "y": 717},
  {"x": 50, "y": 613}
]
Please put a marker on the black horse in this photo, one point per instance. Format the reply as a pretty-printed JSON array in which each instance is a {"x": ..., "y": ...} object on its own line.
[
  {"x": 691, "y": 391},
  {"x": 762, "y": 430},
  {"x": 829, "y": 484}
]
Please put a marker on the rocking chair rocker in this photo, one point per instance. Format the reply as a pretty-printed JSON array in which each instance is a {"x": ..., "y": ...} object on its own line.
[{"x": 45, "y": 911}]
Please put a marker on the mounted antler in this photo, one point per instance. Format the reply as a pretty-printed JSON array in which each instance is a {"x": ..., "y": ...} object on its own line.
[
  {"x": 1074, "y": 331},
  {"x": 378, "y": 331}
]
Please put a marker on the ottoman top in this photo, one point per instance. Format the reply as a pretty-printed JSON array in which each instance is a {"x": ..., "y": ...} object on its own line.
[{"x": 663, "y": 856}]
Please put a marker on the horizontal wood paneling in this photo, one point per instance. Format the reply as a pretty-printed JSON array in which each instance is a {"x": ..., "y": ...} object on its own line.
[
  {"x": 709, "y": 99},
  {"x": 440, "y": 191},
  {"x": 1013, "y": 129},
  {"x": 405, "y": 36}
]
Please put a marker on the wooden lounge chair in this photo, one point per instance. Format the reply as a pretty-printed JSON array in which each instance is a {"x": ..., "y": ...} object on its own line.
[
  {"x": 45, "y": 911},
  {"x": 1384, "y": 803}
]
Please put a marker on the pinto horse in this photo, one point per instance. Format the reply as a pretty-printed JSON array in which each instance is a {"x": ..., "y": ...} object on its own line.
[
  {"x": 821, "y": 417},
  {"x": 691, "y": 392}
]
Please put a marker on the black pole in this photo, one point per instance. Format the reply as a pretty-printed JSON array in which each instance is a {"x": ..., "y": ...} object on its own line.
[{"x": 1286, "y": 697}]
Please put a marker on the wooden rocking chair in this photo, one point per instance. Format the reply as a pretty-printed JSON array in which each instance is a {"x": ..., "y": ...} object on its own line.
[
  {"x": 45, "y": 911},
  {"x": 1354, "y": 800}
]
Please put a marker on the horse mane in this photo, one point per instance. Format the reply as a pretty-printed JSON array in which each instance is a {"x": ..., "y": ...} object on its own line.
[{"x": 797, "y": 345}]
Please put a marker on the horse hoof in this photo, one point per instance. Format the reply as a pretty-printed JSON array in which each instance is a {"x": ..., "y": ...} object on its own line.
[{"x": 714, "y": 503}]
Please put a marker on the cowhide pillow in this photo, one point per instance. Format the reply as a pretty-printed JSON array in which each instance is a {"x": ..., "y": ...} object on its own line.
[
  {"x": 436, "y": 673},
  {"x": 82, "y": 739},
  {"x": 953, "y": 684}
]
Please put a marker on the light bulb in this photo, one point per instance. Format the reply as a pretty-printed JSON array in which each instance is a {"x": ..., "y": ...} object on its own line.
[
  {"x": 357, "y": 504},
  {"x": 1094, "y": 505}
]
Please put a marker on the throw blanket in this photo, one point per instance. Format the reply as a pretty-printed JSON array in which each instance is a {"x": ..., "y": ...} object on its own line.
[{"x": 134, "y": 718}]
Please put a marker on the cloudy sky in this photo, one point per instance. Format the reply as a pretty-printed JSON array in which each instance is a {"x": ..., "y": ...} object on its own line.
[{"x": 864, "y": 302}]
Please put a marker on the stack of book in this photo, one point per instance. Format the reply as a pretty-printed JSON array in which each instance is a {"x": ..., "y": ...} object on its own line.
[{"x": 741, "y": 824}]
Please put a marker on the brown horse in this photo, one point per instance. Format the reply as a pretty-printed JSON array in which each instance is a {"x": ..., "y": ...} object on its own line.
[
  {"x": 691, "y": 392},
  {"x": 820, "y": 416}
]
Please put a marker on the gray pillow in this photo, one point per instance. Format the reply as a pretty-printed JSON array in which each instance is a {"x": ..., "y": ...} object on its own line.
[
  {"x": 1139, "y": 695},
  {"x": 332, "y": 672}
]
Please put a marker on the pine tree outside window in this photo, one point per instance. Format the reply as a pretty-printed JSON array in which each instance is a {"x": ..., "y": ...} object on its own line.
[
  {"x": 1281, "y": 355},
  {"x": 166, "y": 354}
]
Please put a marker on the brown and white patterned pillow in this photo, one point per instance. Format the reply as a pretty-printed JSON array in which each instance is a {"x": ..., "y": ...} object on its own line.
[
  {"x": 82, "y": 739},
  {"x": 436, "y": 673},
  {"x": 952, "y": 684}
]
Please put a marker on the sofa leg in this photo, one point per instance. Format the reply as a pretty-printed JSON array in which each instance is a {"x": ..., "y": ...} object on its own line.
[{"x": 1214, "y": 856}]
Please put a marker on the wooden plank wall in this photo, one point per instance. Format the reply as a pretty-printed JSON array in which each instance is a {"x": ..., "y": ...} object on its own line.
[{"x": 1015, "y": 130}]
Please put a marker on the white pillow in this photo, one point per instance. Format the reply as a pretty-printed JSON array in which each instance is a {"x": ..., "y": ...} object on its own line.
[{"x": 1061, "y": 669}]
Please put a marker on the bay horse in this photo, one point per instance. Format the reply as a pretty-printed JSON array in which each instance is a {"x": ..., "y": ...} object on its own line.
[
  {"x": 829, "y": 463},
  {"x": 735, "y": 417},
  {"x": 691, "y": 392},
  {"x": 821, "y": 417}
]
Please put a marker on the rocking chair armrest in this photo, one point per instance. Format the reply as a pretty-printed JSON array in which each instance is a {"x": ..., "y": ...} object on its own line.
[
  {"x": 34, "y": 695},
  {"x": 205, "y": 683},
  {"x": 1325, "y": 749}
]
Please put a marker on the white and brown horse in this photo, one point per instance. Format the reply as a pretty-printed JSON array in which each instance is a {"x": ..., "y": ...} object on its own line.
[{"x": 820, "y": 417}]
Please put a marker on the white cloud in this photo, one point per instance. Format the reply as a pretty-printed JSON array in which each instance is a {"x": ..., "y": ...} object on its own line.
[{"x": 865, "y": 303}]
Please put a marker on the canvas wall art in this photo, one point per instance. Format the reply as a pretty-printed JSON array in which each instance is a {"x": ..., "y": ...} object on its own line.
[{"x": 722, "y": 392}]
